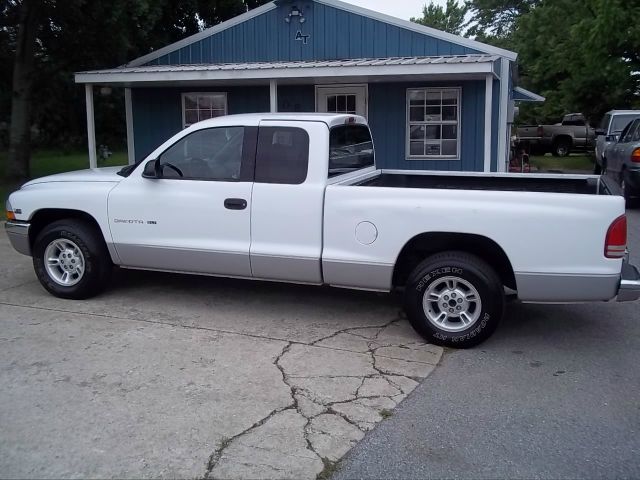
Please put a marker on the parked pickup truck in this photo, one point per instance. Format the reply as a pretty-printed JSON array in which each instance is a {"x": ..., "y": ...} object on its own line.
[
  {"x": 297, "y": 198},
  {"x": 570, "y": 135}
]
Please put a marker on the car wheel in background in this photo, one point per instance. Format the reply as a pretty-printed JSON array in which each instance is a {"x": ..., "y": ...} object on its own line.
[
  {"x": 561, "y": 148},
  {"x": 454, "y": 299},
  {"x": 71, "y": 259},
  {"x": 627, "y": 193},
  {"x": 597, "y": 169}
]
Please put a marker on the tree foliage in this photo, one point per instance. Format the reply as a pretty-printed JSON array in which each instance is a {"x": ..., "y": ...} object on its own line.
[
  {"x": 582, "y": 55},
  {"x": 495, "y": 20},
  {"x": 450, "y": 19},
  {"x": 75, "y": 35}
]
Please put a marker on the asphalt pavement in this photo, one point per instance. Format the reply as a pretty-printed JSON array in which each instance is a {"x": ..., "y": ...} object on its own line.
[{"x": 555, "y": 393}]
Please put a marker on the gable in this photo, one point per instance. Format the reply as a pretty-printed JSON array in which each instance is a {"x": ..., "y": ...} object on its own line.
[{"x": 331, "y": 30}]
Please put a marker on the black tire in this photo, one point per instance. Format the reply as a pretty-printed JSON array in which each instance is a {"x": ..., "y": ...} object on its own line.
[
  {"x": 472, "y": 271},
  {"x": 561, "y": 148},
  {"x": 597, "y": 169},
  {"x": 97, "y": 262},
  {"x": 627, "y": 193}
]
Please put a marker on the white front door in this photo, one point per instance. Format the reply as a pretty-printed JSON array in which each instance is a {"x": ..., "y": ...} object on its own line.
[
  {"x": 192, "y": 213},
  {"x": 342, "y": 99}
]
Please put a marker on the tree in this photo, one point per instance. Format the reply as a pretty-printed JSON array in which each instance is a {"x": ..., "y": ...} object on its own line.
[
  {"x": 494, "y": 20},
  {"x": 582, "y": 55},
  {"x": 20, "y": 129},
  {"x": 449, "y": 19},
  {"x": 49, "y": 40}
]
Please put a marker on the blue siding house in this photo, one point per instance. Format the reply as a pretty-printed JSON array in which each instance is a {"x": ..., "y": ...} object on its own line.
[{"x": 435, "y": 101}]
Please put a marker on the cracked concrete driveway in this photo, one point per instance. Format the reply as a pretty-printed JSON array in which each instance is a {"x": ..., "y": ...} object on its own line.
[{"x": 177, "y": 376}]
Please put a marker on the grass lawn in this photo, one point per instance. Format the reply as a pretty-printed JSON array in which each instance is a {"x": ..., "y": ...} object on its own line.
[
  {"x": 48, "y": 162},
  {"x": 564, "y": 164}
]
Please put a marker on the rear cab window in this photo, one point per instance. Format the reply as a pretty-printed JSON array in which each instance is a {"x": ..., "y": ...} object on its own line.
[
  {"x": 282, "y": 156},
  {"x": 350, "y": 148}
]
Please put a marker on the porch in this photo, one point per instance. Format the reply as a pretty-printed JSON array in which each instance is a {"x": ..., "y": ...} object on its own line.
[{"x": 433, "y": 112}]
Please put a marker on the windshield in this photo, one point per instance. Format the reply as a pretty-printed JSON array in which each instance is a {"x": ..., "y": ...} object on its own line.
[
  {"x": 604, "y": 124},
  {"x": 350, "y": 148},
  {"x": 621, "y": 121}
]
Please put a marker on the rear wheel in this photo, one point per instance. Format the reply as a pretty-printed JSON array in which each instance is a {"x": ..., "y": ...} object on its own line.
[
  {"x": 71, "y": 260},
  {"x": 561, "y": 148},
  {"x": 454, "y": 299}
]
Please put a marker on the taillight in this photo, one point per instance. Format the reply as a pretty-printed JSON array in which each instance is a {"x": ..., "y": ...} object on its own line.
[
  {"x": 635, "y": 156},
  {"x": 615, "y": 244}
]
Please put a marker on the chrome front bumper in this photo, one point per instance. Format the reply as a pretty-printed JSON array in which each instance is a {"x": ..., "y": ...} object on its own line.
[
  {"x": 629, "y": 289},
  {"x": 18, "y": 233}
]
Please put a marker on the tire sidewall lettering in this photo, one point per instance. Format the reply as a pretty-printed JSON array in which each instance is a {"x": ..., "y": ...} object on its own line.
[{"x": 436, "y": 273}]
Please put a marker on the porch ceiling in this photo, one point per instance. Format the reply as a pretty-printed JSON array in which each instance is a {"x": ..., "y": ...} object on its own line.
[{"x": 314, "y": 71}]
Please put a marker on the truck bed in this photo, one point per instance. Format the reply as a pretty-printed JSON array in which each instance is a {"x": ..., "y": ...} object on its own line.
[{"x": 584, "y": 185}]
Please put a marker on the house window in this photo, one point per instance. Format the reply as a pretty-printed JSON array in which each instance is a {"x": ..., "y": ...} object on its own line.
[
  {"x": 202, "y": 106},
  {"x": 433, "y": 123}
]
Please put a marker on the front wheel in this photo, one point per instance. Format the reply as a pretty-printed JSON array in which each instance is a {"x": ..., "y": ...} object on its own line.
[
  {"x": 627, "y": 193},
  {"x": 454, "y": 299},
  {"x": 71, "y": 260},
  {"x": 597, "y": 169}
]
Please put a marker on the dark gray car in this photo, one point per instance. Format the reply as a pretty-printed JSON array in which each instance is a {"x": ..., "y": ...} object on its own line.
[{"x": 623, "y": 160}]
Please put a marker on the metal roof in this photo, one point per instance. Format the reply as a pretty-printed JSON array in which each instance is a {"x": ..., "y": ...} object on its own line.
[
  {"x": 523, "y": 95},
  {"x": 360, "y": 62}
]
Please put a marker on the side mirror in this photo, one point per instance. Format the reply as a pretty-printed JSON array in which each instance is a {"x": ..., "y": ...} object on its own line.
[
  {"x": 152, "y": 169},
  {"x": 600, "y": 131},
  {"x": 611, "y": 138}
]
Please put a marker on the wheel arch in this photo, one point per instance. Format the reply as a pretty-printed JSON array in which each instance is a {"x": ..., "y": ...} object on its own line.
[
  {"x": 46, "y": 216},
  {"x": 562, "y": 137},
  {"x": 426, "y": 244}
]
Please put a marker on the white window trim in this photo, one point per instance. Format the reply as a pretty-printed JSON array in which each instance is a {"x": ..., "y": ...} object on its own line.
[
  {"x": 408, "y": 156},
  {"x": 365, "y": 86},
  {"x": 184, "y": 94}
]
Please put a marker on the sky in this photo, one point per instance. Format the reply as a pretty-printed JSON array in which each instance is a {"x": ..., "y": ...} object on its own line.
[{"x": 404, "y": 9}]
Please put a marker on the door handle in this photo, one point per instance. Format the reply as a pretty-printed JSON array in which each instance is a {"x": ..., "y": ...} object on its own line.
[{"x": 235, "y": 203}]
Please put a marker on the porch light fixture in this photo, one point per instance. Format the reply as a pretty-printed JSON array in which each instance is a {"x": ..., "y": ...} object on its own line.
[{"x": 295, "y": 12}]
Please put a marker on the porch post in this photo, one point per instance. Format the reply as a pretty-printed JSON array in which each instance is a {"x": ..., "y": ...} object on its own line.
[
  {"x": 504, "y": 132},
  {"x": 273, "y": 94},
  {"x": 488, "y": 104},
  {"x": 91, "y": 127},
  {"x": 128, "y": 108}
]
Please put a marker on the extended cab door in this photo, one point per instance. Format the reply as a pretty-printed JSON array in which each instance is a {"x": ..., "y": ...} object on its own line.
[
  {"x": 189, "y": 211},
  {"x": 288, "y": 201}
]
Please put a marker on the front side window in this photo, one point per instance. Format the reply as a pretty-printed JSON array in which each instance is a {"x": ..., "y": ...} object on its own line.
[
  {"x": 210, "y": 154},
  {"x": 628, "y": 133},
  {"x": 636, "y": 132},
  {"x": 350, "y": 148},
  {"x": 202, "y": 106},
  {"x": 282, "y": 155},
  {"x": 433, "y": 126}
]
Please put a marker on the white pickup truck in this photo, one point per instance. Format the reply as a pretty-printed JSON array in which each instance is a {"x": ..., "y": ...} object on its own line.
[{"x": 297, "y": 198}]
